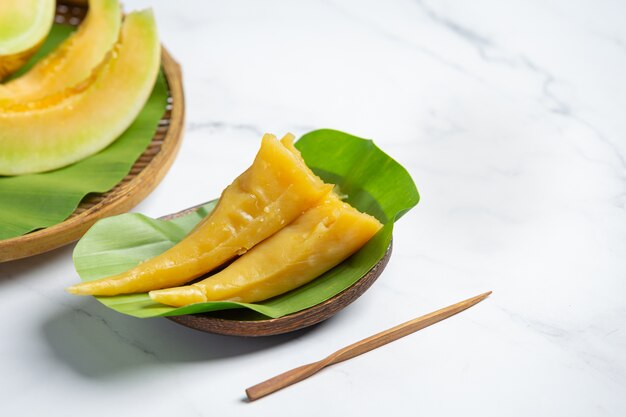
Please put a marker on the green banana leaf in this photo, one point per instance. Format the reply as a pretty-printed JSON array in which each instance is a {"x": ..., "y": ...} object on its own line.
[
  {"x": 30, "y": 202},
  {"x": 373, "y": 182}
]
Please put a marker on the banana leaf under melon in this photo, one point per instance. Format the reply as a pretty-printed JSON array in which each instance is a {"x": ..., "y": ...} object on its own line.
[{"x": 31, "y": 202}]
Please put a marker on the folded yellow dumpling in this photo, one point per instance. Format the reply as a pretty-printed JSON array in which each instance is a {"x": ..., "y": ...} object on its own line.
[
  {"x": 269, "y": 195},
  {"x": 314, "y": 243}
]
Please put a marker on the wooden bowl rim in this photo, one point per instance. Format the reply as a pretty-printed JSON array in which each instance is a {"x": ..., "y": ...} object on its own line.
[
  {"x": 123, "y": 196},
  {"x": 274, "y": 326},
  {"x": 291, "y": 322}
]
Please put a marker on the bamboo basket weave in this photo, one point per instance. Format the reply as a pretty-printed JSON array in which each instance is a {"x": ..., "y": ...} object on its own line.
[{"x": 144, "y": 176}]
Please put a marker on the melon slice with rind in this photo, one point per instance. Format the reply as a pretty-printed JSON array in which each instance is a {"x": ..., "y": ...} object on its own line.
[
  {"x": 72, "y": 62},
  {"x": 24, "y": 24},
  {"x": 77, "y": 126}
]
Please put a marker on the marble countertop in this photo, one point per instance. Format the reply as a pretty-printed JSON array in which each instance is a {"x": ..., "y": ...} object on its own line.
[{"x": 510, "y": 118}]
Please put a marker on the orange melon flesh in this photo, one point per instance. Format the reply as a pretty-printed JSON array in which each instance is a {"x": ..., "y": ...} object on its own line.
[
  {"x": 24, "y": 24},
  {"x": 314, "y": 243},
  {"x": 269, "y": 195},
  {"x": 73, "y": 61},
  {"x": 84, "y": 123}
]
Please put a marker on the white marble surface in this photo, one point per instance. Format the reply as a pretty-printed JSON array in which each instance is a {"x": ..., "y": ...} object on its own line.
[{"x": 509, "y": 116}]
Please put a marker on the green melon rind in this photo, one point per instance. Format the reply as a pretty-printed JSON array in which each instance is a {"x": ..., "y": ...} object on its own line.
[
  {"x": 31, "y": 202},
  {"x": 22, "y": 31},
  {"x": 85, "y": 123},
  {"x": 71, "y": 62}
]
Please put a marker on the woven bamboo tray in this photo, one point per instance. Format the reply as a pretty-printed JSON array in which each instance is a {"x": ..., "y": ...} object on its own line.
[{"x": 144, "y": 176}]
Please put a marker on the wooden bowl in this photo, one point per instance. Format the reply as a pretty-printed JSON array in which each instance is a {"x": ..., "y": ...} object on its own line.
[
  {"x": 144, "y": 176},
  {"x": 243, "y": 322}
]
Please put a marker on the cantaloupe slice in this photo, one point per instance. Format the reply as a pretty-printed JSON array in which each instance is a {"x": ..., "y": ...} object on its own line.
[
  {"x": 24, "y": 24},
  {"x": 314, "y": 243},
  {"x": 73, "y": 61},
  {"x": 269, "y": 195},
  {"x": 82, "y": 124}
]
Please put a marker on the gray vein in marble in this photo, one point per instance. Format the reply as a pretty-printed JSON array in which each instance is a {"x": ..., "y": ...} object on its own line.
[
  {"x": 125, "y": 340},
  {"x": 217, "y": 125},
  {"x": 468, "y": 34},
  {"x": 392, "y": 289},
  {"x": 563, "y": 109},
  {"x": 482, "y": 43},
  {"x": 616, "y": 41},
  {"x": 436, "y": 131},
  {"x": 85, "y": 313},
  {"x": 391, "y": 37},
  {"x": 604, "y": 139},
  {"x": 560, "y": 107},
  {"x": 575, "y": 341},
  {"x": 189, "y": 402},
  {"x": 343, "y": 372}
]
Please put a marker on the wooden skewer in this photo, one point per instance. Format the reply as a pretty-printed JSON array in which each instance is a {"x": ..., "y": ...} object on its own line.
[{"x": 298, "y": 374}]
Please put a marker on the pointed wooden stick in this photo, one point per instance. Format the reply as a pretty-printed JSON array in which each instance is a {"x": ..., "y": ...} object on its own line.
[{"x": 298, "y": 374}]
